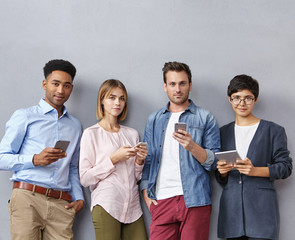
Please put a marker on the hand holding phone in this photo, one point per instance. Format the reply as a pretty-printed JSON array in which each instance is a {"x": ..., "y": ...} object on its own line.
[
  {"x": 140, "y": 144},
  {"x": 62, "y": 144},
  {"x": 180, "y": 125}
]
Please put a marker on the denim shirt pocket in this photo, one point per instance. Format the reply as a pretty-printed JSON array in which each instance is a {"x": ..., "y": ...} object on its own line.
[{"x": 196, "y": 132}]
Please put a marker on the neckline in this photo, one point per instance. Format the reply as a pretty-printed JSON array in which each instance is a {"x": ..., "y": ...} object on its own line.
[
  {"x": 109, "y": 131},
  {"x": 248, "y": 126}
]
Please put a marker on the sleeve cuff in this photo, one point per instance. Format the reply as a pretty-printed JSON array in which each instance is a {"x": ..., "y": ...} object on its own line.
[
  {"x": 28, "y": 161},
  {"x": 77, "y": 194},
  {"x": 271, "y": 173},
  {"x": 144, "y": 184},
  {"x": 210, "y": 159}
]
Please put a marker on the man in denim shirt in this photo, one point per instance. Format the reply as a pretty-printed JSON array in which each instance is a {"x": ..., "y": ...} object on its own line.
[{"x": 175, "y": 181}]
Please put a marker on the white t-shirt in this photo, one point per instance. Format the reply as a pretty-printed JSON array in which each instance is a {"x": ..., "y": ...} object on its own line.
[
  {"x": 169, "y": 181},
  {"x": 244, "y": 136}
]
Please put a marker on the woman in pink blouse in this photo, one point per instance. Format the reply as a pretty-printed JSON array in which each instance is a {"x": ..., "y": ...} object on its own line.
[{"x": 111, "y": 166}]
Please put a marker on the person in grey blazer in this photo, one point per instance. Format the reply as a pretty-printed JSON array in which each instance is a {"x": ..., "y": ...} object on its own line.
[{"x": 248, "y": 204}]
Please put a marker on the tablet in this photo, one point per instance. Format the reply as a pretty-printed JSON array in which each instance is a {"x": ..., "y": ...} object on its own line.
[{"x": 228, "y": 156}]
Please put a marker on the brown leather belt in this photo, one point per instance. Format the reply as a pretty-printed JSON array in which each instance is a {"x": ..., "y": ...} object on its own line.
[{"x": 45, "y": 191}]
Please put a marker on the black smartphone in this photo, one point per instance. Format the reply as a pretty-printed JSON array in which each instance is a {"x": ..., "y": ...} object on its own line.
[{"x": 62, "y": 144}]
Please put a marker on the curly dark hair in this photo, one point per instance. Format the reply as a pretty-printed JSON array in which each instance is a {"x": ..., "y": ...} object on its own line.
[{"x": 60, "y": 65}]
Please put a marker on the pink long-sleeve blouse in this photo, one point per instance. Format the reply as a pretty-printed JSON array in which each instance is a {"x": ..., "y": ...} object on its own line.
[{"x": 113, "y": 187}]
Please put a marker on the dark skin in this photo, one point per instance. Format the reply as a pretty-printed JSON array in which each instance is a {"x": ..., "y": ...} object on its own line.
[
  {"x": 47, "y": 156},
  {"x": 58, "y": 87},
  {"x": 50, "y": 155}
]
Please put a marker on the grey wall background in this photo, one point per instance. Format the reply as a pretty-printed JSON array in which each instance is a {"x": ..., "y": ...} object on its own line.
[{"x": 130, "y": 40}]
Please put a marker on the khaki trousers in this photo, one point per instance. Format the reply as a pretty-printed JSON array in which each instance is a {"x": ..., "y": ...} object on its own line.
[{"x": 34, "y": 216}]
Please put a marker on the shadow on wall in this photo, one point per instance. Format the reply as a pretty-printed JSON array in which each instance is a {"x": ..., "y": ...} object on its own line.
[{"x": 82, "y": 103}]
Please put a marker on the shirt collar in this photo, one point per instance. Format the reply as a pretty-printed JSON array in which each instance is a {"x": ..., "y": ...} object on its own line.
[
  {"x": 192, "y": 107},
  {"x": 46, "y": 107}
]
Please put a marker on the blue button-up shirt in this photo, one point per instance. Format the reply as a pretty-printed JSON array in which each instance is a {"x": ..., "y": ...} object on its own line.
[
  {"x": 195, "y": 179},
  {"x": 31, "y": 130}
]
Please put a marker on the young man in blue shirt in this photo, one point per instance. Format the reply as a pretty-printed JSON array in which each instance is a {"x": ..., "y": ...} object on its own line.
[
  {"x": 46, "y": 187},
  {"x": 175, "y": 181}
]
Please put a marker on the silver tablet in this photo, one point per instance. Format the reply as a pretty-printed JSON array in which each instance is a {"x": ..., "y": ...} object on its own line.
[{"x": 228, "y": 156}]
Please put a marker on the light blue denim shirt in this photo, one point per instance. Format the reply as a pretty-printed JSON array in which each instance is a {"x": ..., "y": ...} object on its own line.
[
  {"x": 203, "y": 128},
  {"x": 31, "y": 130}
]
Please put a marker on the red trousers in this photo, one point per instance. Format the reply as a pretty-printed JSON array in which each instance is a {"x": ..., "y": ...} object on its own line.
[{"x": 172, "y": 220}]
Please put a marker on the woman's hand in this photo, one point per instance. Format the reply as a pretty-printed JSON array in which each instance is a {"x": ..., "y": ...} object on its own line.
[
  {"x": 123, "y": 154},
  {"x": 245, "y": 166},
  {"x": 224, "y": 168},
  {"x": 142, "y": 152}
]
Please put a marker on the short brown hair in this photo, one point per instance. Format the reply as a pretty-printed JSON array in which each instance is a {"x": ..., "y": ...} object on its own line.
[
  {"x": 104, "y": 92},
  {"x": 176, "y": 67}
]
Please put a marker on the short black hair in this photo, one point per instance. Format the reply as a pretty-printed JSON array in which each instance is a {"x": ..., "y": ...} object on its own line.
[
  {"x": 59, "y": 65},
  {"x": 242, "y": 82},
  {"x": 176, "y": 67}
]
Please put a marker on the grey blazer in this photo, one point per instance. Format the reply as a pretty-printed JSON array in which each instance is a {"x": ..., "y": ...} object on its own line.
[{"x": 248, "y": 205}]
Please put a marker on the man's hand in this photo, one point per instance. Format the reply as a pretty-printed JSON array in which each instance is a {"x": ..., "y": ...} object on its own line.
[
  {"x": 77, "y": 205},
  {"x": 48, "y": 156},
  {"x": 184, "y": 138},
  {"x": 148, "y": 201}
]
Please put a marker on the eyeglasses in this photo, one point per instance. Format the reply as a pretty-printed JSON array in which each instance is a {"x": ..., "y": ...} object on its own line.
[{"x": 237, "y": 100}]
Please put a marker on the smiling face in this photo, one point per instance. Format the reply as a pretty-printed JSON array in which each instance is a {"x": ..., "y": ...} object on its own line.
[
  {"x": 58, "y": 87},
  {"x": 114, "y": 103},
  {"x": 242, "y": 109},
  {"x": 177, "y": 87}
]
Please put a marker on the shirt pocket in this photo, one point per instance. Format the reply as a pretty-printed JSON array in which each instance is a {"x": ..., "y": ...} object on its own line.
[{"x": 196, "y": 132}]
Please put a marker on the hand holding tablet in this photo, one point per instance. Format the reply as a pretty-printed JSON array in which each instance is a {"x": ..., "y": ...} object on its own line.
[{"x": 228, "y": 156}]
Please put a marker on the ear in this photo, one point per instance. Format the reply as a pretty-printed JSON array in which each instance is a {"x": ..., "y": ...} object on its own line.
[
  {"x": 44, "y": 84},
  {"x": 256, "y": 101},
  {"x": 229, "y": 99},
  {"x": 165, "y": 87},
  {"x": 190, "y": 86}
]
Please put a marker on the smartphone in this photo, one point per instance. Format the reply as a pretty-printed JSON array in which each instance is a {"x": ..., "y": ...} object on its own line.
[
  {"x": 140, "y": 143},
  {"x": 180, "y": 125},
  {"x": 62, "y": 144}
]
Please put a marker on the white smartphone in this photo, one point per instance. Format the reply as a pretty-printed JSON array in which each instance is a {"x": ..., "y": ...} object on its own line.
[
  {"x": 141, "y": 143},
  {"x": 62, "y": 144},
  {"x": 180, "y": 125}
]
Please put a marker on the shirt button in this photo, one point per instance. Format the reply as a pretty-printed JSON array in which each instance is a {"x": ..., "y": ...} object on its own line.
[{"x": 240, "y": 182}]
